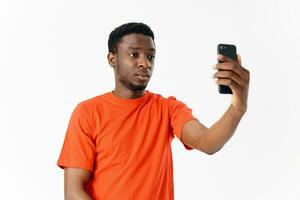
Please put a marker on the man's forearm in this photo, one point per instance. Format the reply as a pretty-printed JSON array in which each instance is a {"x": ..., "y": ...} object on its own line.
[
  {"x": 220, "y": 132},
  {"x": 77, "y": 195}
]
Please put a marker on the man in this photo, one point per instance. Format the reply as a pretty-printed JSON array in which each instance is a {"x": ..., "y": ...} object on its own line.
[{"x": 118, "y": 144}]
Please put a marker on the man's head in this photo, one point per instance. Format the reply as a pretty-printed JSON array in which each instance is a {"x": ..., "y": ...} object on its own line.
[{"x": 131, "y": 53}]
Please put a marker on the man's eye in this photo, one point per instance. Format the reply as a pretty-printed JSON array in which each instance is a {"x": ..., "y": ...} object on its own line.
[
  {"x": 134, "y": 55},
  {"x": 151, "y": 57}
]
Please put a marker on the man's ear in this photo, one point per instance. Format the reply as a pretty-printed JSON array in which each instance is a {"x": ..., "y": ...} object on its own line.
[{"x": 111, "y": 59}]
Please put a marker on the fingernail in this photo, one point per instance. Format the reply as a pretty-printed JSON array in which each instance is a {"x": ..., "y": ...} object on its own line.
[
  {"x": 220, "y": 56},
  {"x": 213, "y": 66}
]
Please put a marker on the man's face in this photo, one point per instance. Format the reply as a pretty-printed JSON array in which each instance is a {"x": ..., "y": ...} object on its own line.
[{"x": 134, "y": 61}]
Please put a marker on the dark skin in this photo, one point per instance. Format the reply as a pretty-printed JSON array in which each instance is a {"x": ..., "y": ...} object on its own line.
[
  {"x": 133, "y": 65},
  {"x": 211, "y": 140}
]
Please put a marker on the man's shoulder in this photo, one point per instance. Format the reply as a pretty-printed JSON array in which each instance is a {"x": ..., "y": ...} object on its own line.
[
  {"x": 93, "y": 101},
  {"x": 162, "y": 97}
]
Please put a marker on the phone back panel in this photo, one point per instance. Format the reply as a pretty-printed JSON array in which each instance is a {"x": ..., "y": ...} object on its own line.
[{"x": 228, "y": 50}]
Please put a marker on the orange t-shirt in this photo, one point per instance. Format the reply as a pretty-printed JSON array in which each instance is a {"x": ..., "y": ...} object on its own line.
[{"x": 126, "y": 144}]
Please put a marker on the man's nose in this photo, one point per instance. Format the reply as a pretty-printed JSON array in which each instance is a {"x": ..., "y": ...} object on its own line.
[{"x": 144, "y": 62}]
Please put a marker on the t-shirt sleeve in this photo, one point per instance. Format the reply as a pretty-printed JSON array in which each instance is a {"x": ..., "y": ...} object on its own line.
[
  {"x": 79, "y": 149},
  {"x": 179, "y": 115}
]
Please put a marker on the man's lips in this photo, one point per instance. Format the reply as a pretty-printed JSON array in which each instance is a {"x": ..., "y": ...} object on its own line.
[{"x": 143, "y": 76}]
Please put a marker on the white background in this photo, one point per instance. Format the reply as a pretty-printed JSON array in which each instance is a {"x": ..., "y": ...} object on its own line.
[{"x": 53, "y": 55}]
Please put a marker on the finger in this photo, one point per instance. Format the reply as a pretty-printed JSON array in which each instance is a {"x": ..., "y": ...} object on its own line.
[
  {"x": 230, "y": 75},
  {"x": 231, "y": 67},
  {"x": 239, "y": 59},
  {"x": 228, "y": 82},
  {"x": 223, "y": 58}
]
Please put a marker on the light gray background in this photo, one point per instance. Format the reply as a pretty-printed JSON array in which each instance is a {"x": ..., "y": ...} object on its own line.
[{"x": 53, "y": 55}]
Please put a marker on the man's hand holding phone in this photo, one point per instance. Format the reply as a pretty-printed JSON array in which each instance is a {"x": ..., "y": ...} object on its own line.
[{"x": 231, "y": 73}]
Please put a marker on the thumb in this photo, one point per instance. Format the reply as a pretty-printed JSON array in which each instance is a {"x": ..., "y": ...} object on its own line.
[{"x": 239, "y": 59}]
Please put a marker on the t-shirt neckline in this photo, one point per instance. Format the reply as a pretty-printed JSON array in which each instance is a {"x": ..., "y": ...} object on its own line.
[{"x": 126, "y": 102}]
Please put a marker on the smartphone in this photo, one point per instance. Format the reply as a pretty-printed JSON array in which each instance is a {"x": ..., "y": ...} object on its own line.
[{"x": 228, "y": 50}]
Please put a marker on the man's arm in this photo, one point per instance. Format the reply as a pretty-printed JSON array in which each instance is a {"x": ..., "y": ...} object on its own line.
[
  {"x": 210, "y": 140},
  {"x": 75, "y": 184}
]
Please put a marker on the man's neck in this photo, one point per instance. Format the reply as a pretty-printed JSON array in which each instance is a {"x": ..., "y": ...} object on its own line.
[{"x": 128, "y": 94}]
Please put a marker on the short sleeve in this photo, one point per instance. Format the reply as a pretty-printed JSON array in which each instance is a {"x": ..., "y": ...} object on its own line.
[
  {"x": 79, "y": 149},
  {"x": 180, "y": 114}
]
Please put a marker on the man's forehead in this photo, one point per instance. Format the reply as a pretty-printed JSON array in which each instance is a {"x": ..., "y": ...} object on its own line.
[
  {"x": 137, "y": 41},
  {"x": 139, "y": 48}
]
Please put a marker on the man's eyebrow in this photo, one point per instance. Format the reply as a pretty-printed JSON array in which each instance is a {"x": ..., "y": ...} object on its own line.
[{"x": 137, "y": 48}]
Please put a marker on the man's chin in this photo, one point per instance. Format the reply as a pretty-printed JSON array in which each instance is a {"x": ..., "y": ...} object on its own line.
[{"x": 137, "y": 87}]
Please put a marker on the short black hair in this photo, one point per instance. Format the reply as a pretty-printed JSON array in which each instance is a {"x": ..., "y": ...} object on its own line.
[{"x": 125, "y": 29}]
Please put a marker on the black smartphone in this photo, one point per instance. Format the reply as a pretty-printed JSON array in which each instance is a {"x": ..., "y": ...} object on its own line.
[{"x": 228, "y": 50}]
